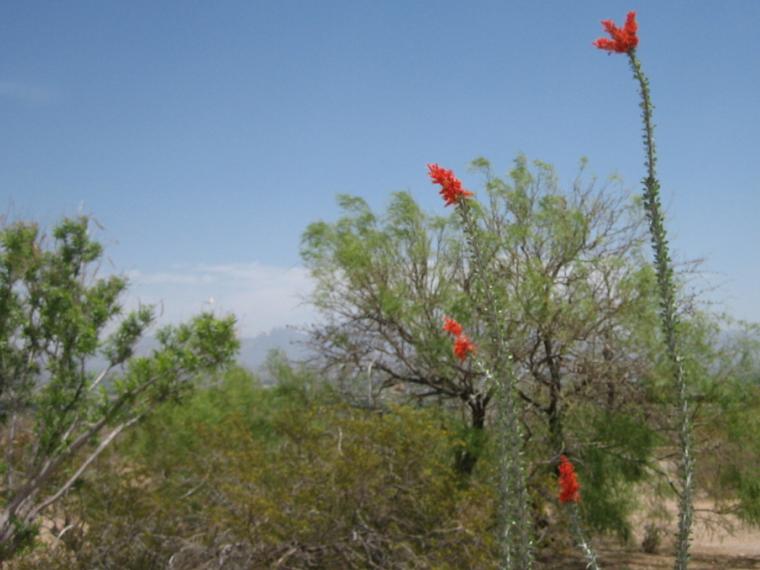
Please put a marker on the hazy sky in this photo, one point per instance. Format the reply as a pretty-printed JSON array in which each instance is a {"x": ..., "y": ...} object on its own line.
[{"x": 205, "y": 136}]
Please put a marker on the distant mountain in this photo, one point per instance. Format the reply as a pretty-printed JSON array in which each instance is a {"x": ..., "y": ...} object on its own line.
[{"x": 254, "y": 350}]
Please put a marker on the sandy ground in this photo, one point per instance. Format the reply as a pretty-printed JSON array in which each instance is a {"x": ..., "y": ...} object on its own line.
[{"x": 712, "y": 549}]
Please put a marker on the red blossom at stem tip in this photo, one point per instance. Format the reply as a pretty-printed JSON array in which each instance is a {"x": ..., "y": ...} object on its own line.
[
  {"x": 569, "y": 488},
  {"x": 451, "y": 187},
  {"x": 623, "y": 39},
  {"x": 451, "y": 326},
  {"x": 463, "y": 347}
]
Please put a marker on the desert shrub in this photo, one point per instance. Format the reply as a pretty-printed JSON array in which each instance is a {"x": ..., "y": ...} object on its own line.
[{"x": 249, "y": 477}]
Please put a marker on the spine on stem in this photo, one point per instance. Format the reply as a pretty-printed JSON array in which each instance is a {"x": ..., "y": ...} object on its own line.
[
  {"x": 570, "y": 495},
  {"x": 516, "y": 520},
  {"x": 625, "y": 40}
]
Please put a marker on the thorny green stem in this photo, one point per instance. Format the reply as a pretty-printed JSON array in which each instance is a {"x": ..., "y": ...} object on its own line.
[
  {"x": 516, "y": 538},
  {"x": 580, "y": 538},
  {"x": 669, "y": 317}
]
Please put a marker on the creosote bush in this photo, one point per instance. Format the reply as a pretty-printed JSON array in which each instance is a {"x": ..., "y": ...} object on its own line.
[{"x": 287, "y": 475}]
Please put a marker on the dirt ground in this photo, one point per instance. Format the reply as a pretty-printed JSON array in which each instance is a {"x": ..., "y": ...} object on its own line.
[
  {"x": 630, "y": 560},
  {"x": 713, "y": 548}
]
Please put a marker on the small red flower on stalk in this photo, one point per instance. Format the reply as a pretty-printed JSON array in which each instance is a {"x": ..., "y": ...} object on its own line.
[
  {"x": 623, "y": 39},
  {"x": 451, "y": 187},
  {"x": 569, "y": 488},
  {"x": 463, "y": 347},
  {"x": 451, "y": 326}
]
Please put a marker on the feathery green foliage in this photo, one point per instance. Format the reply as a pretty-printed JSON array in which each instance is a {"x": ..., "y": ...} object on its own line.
[{"x": 57, "y": 414}]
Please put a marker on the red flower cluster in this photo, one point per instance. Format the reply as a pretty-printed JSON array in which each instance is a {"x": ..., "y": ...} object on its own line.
[
  {"x": 451, "y": 187},
  {"x": 463, "y": 346},
  {"x": 569, "y": 488},
  {"x": 451, "y": 326},
  {"x": 623, "y": 39}
]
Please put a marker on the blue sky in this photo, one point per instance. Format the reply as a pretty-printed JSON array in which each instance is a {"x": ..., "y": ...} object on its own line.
[{"x": 204, "y": 137}]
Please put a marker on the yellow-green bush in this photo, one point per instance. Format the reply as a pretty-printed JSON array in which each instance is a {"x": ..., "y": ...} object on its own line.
[{"x": 258, "y": 477}]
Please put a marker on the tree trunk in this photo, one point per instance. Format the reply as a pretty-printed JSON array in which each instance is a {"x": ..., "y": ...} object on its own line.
[
  {"x": 467, "y": 456},
  {"x": 554, "y": 409}
]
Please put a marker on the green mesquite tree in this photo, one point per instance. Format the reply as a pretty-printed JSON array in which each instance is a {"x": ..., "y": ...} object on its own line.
[
  {"x": 56, "y": 415},
  {"x": 573, "y": 292}
]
